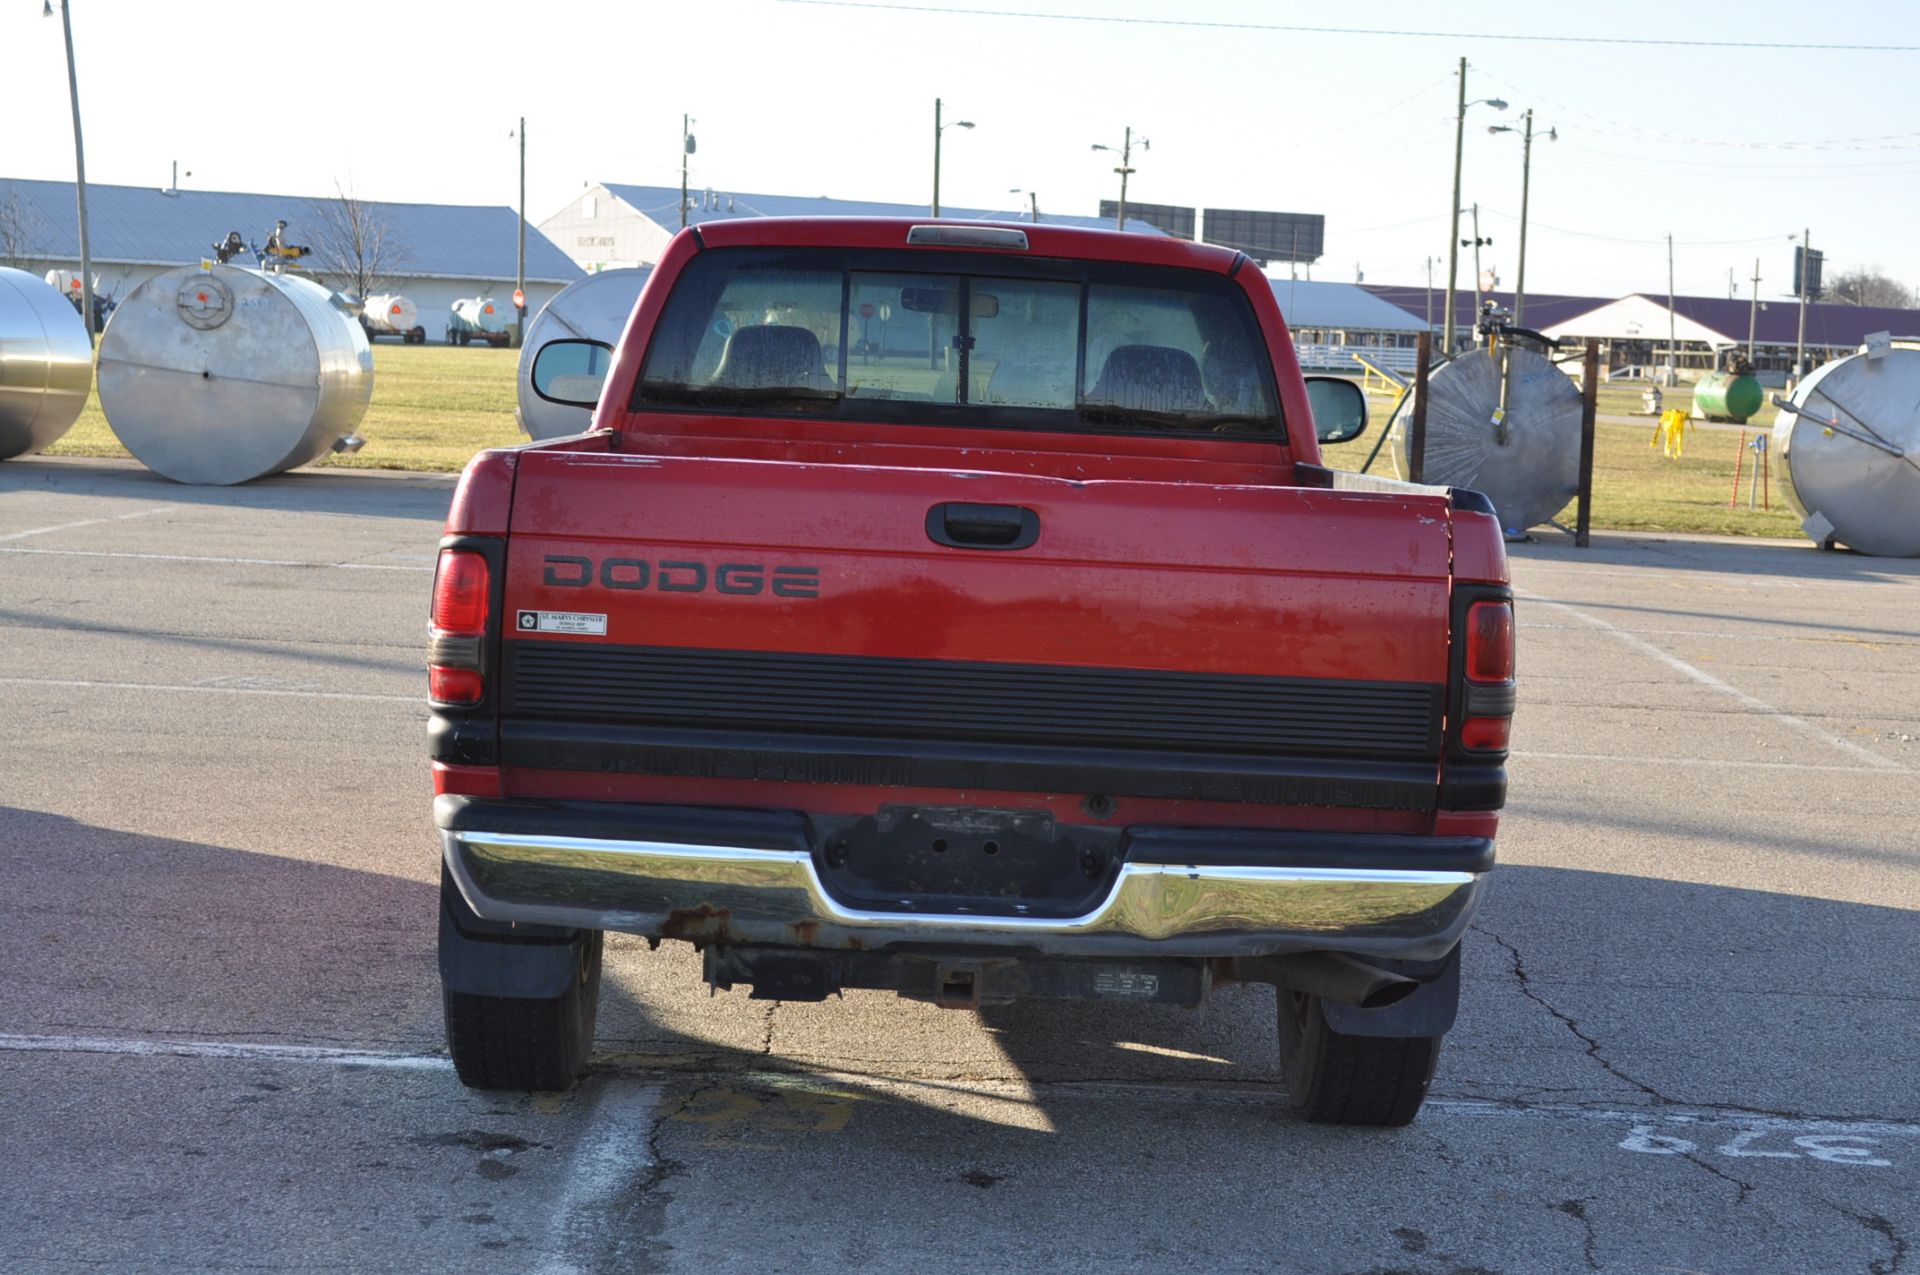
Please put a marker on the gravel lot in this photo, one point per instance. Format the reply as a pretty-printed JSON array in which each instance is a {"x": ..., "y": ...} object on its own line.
[{"x": 1688, "y": 1041}]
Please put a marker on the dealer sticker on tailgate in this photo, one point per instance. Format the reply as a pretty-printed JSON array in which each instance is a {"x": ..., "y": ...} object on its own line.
[{"x": 563, "y": 622}]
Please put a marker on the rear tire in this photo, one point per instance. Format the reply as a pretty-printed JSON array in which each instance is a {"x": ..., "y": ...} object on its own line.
[
  {"x": 527, "y": 1043},
  {"x": 1352, "y": 1080}
]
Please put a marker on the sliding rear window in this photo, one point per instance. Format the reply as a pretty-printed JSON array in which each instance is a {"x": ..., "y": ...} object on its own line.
[{"x": 925, "y": 338}]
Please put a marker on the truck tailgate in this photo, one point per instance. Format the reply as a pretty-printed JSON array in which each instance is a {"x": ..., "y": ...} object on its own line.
[{"x": 750, "y": 605}]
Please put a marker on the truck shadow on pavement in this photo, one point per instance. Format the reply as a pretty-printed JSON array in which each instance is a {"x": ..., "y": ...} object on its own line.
[{"x": 859, "y": 1125}]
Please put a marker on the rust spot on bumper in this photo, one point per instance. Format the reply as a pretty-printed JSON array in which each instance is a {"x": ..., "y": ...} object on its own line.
[
  {"x": 805, "y": 932},
  {"x": 699, "y": 926}
]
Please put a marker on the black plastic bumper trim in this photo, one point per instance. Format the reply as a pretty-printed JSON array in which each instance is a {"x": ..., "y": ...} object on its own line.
[{"x": 839, "y": 759}]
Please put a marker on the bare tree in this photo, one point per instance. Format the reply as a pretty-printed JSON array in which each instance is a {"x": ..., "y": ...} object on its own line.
[
  {"x": 354, "y": 242},
  {"x": 23, "y": 234},
  {"x": 1865, "y": 285}
]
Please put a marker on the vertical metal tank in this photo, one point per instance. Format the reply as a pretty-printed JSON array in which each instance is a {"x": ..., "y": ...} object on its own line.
[
  {"x": 595, "y": 308},
  {"x": 1529, "y": 467},
  {"x": 46, "y": 364},
  {"x": 1850, "y": 458},
  {"x": 214, "y": 374}
]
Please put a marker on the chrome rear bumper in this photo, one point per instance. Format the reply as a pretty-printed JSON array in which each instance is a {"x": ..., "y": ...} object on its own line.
[{"x": 741, "y": 894}]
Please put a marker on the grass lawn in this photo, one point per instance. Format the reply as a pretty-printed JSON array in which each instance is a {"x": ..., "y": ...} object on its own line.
[{"x": 434, "y": 406}]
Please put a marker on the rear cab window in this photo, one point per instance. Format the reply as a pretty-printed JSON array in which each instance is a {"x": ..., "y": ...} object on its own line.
[{"x": 962, "y": 339}]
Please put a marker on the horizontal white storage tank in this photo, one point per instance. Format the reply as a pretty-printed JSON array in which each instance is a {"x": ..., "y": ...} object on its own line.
[{"x": 391, "y": 312}]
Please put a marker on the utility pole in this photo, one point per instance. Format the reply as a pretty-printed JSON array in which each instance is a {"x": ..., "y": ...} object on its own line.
[
  {"x": 1733, "y": 289},
  {"x": 1453, "y": 238},
  {"x": 936, "y": 157},
  {"x": 1526, "y": 180},
  {"x": 686, "y": 149},
  {"x": 1673, "y": 348},
  {"x": 1429, "y": 294},
  {"x": 79, "y": 178},
  {"x": 1477, "y": 241},
  {"x": 520, "y": 268},
  {"x": 1800, "y": 337},
  {"x": 1753, "y": 309},
  {"x": 1033, "y": 200},
  {"x": 1125, "y": 170}
]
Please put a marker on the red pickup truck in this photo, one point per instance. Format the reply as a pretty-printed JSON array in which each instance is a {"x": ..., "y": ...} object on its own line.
[{"x": 963, "y": 610}]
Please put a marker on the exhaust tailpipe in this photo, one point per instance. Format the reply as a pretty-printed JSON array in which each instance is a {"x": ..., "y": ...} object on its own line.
[{"x": 1336, "y": 978}]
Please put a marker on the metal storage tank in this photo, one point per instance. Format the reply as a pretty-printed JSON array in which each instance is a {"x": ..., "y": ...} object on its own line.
[
  {"x": 46, "y": 364},
  {"x": 390, "y": 314},
  {"x": 1850, "y": 463},
  {"x": 215, "y": 374},
  {"x": 595, "y": 308},
  {"x": 1727, "y": 396},
  {"x": 1531, "y": 474},
  {"x": 477, "y": 319}
]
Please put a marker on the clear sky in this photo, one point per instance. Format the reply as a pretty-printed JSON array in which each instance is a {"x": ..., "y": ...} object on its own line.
[{"x": 1730, "y": 150}]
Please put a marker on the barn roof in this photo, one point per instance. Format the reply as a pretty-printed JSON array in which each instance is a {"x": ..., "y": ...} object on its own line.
[{"x": 141, "y": 225}]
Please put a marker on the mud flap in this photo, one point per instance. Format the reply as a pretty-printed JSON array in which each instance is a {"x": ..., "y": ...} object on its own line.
[
  {"x": 1429, "y": 1011},
  {"x": 494, "y": 958}
]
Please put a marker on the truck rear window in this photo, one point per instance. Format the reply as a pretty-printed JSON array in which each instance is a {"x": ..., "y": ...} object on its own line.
[{"x": 965, "y": 340}]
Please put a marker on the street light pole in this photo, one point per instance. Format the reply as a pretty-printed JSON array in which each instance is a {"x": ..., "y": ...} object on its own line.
[
  {"x": 1526, "y": 184},
  {"x": 79, "y": 171},
  {"x": 1526, "y": 178},
  {"x": 1800, "y": 337},
  {"x": 1453, "y": 238},
  {"x": 520, "y": 267},
  {"x": 939, "y": 128},
  {"x": 686, "y": 149},
  {"x": 1125, "y": 170}
]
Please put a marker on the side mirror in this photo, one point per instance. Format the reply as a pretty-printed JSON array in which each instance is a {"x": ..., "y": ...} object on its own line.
[
  {"x": 1339, "y": 408},
  {"x": 571, "y": 372}
]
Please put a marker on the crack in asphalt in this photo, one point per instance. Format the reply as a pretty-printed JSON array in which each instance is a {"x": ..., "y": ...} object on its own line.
[
  {"x": 1527, "y": 989},
  {"x": 1577, "y": 1209},
  {"x": 1879, "y": 1226}
]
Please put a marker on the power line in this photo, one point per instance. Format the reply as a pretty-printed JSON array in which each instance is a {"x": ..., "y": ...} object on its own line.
[
  {"x": 1632, "y": 132},
  {"x": 1115, "y": 20}
]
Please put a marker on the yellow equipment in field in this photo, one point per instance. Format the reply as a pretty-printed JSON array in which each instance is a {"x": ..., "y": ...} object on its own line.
[{"x": 1670, "y": 435}]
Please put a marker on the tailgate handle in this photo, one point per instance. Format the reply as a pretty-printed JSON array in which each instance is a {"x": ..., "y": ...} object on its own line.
[{"x": 963, "y": 526}]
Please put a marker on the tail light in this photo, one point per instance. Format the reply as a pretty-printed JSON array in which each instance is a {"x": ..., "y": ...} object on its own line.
[
  {"x": 1488, "y": 719},
  {"x": 462, "y": 595}
]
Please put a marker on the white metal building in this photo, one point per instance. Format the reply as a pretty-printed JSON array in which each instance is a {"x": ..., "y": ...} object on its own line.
[
  {"x": 438, "y": 253},
  {"x": 1332, "y": 322},
  {"x": 611, "y": 226}
]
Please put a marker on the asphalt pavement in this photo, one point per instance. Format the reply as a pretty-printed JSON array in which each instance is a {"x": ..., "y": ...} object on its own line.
[{"x": 1688, "y": 1039}]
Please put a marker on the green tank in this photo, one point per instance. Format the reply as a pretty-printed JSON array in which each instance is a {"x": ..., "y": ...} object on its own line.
[{"x": 1728, "y": 396}]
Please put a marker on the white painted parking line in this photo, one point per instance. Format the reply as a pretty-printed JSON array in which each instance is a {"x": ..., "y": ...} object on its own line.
[
  {"x": 144, "y": 1048},
  {"x": 217, "y": 561},
  {"x": 207, "y": 690},
  {"x": 1708, "y": 680},
  {"x": 84, "y": 522},
  {"x": 614, "y": 1152},
  {"x": 1722, "y": 763},
  {"x": 1724, "y": 635}
]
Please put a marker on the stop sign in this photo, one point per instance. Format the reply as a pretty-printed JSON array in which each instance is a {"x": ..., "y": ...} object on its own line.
[
  {"x": 519, "y": 299},
  {"x": 866, "y": 309}
]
